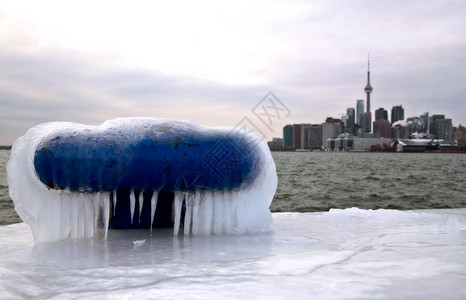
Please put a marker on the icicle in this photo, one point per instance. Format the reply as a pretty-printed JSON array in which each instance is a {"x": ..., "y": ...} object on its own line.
[
  {"x": 233, "y": 212},
  {"x": 97, "y": 206},
  {"x": 178, "y": 205},
  {"x": 106, "y": 211},
  {"x": 189, "y": 211},
  {"x": 132, "y": 201},
  {"x": 196, "y": 218},
  {"x": 114, "y": 201},
  {"x": 141, "y": 203},
  {"x": 153, "y": 207},
  {"x": 207, "y": 213},
  {"x": 81, "y": 216},
  {"x": 218, "y": 216},
  {"x": 241, "y": 222},
  {"x": 227, "y": 212},
  {"x": 65, "y": 213},
  {"x": 88, "y": 216},
  {"x": 74, "y": 215}
]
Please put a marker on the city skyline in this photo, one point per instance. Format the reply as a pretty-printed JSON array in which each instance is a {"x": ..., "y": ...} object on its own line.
[{"x": 211, "y": 63}]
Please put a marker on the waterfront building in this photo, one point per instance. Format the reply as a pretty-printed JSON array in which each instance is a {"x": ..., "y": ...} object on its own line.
[
  {"x": 315, "y": 136},
  {"x": 311, "y": 136},
  {"x": 330, "y": 129},
  {"x": 422, "y": 145},
  {"x": 351, "y": 143},
  {"x": 368, "y": 90},
  {"x": 276, "y": 144},
  {"x": 296, "y": 140},
  {"x": 381, "y": 114},
  {"x": 383, "y": 128},
  {"x": 287, "y": 137},
  {"x": 398, "y": 113},
  {"x": 359, "y": 111},
  {"x": 305, "y": 136}
]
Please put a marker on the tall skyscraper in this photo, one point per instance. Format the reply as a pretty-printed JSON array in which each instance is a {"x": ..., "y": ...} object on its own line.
[
  {"x": 350, "y": 120},
  {"x": 442, "y": 128},
  {"x": 296, "y": 139},
  {"x": 368, "y": 89},
  {"x": 287, "y": 136},
  {"x": 359, "y": 111},
  {"x": 383, "y": 128},
  {"x": 381, "y": 114},
  {"x": 432, "y": 120},
  {"x": 398, "y": 113}
]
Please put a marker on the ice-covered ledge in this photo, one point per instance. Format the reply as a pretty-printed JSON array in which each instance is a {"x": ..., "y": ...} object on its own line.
[{"x": 341, "y": 254}]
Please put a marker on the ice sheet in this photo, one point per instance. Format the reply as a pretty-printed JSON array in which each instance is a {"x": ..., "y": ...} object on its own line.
[{"x": 340, "y": 254}]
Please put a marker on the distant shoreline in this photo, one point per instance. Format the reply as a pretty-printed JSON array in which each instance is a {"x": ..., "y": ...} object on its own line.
[{"x": 5, "y": 147}]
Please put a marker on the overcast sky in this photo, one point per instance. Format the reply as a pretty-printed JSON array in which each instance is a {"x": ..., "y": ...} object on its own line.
[{"x": 211, "y": 62}]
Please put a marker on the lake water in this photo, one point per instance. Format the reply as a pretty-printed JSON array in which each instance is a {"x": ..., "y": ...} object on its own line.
[{"x": 318, "y": 181}]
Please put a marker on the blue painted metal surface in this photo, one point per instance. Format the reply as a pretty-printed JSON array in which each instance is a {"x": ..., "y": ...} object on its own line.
[{"x": 153, "y": 156}]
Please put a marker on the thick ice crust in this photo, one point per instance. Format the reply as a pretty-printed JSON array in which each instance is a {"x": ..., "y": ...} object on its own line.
[
  {"x": 55, "y": 214},
  {"x": 149, "y": 155}
]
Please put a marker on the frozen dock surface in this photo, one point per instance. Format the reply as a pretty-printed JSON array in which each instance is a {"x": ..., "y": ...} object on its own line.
[{"x": 341, "y": 254}]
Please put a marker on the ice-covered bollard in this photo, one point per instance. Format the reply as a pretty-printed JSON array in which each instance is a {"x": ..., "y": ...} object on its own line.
[{"x": 69, "y": 180}]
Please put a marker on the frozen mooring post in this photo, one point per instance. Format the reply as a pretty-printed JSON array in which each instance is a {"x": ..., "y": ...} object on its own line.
[{"x": 69, "y": 180}]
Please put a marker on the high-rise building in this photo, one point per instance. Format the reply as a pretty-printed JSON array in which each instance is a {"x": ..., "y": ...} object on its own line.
[
  {"x": 330, "y": 129},
  {"x": 383, "y": 128},
  {"x": 359, "y": 111},
  {"x": 350, "y": 120},
  {"x": 398, "y": 113},
  {"x": 296, "y": 141},
  {"x": 305, "y": 136},
  {"x": 432, "y": 120},
  {"x": 443, "y": 129},
  {"x": 315, "y": 136},
  {"x": 287, "y": 136},
  {"x": 365, "y": 122},
  {"x": 310, "y": 136},
  {"x": 381, "y": 114},
  {"x": 368, "y": 90}
]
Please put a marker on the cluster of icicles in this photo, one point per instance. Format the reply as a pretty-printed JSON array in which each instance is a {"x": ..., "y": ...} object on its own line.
[{"x": 85, "y": 215}]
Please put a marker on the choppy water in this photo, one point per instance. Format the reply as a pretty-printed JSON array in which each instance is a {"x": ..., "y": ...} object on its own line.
[
  {"x": 7, "y": 212},
  {"x": 318, "y": 181}
]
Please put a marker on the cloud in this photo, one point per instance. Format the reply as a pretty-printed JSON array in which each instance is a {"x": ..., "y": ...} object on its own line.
[
  {"x": 63, "y": 86},
  {"x": 212, "y": 66}
]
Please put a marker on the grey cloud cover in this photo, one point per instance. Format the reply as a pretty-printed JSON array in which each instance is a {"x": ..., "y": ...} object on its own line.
[{"x": 418, "y": 59}]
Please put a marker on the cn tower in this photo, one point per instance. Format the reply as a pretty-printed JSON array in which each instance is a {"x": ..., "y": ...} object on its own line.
[{"x": 368, "y": 90}]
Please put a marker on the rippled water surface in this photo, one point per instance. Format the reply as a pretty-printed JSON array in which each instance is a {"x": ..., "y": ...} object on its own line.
[{"x": 318, "y": 181}]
